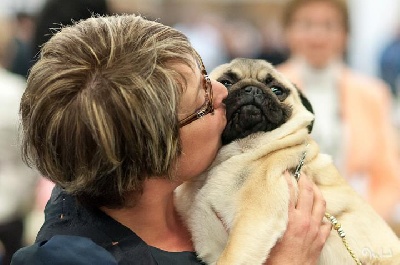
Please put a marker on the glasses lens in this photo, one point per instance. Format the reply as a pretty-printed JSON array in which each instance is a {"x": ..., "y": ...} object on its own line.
[{"x": 208, "y": 106}]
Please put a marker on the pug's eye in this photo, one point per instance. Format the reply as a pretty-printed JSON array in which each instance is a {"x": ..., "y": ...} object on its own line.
[
  {"x": 226, "y": 83},
  {"x": 277, "y": 90}
]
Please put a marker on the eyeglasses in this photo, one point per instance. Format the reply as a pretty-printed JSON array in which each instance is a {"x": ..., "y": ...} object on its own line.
[{"x": 207, "y": 106}]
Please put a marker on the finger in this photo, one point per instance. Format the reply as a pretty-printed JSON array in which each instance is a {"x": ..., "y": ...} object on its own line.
[
  {"x": 306, "y": 194},
  {"x": 292, "y": 194},
  {"x": 325, "y": 231},
  {"x": 319, "y": 206}
]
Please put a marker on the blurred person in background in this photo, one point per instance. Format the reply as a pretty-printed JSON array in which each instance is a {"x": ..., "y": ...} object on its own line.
[
  {"x": 389, "y": 67},
  {"x": 273, "y": 47},
  {"x": 389, "y": 64},
  {"x": 242, "y": 38},
  {"x": 352, "y": 111},
  {"x": 199, "y": 27},
  {"x": 17, "y": 181},
  {"x": 23, "y": 33},
  {"x": 56, "y": 13}
]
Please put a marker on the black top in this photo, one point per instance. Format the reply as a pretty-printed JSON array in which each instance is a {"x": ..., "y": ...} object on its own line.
[{"x": 73, "y": 234}]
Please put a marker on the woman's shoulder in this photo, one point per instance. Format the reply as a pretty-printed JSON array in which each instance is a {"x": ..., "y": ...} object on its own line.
[
  {"x": 64, "y": 249},
  {"x": 364, "y": 81},
  {"x": 366, "y": 87}
]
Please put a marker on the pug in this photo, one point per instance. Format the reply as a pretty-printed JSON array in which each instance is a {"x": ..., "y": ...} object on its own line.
[{"x": 238, "y": 209}]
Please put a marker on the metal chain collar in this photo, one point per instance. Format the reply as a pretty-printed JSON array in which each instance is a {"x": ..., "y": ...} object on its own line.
[{"x": 335, "y": 224}]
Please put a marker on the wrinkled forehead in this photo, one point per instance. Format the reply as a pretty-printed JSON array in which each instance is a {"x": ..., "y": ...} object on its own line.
[
  {"x": 189, "y": 77},
  {"x": 185, "y": 69},
  {"x": 240, "y": 69}
]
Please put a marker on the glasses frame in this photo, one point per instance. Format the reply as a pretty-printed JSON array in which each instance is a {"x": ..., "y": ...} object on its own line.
[{"x": 207, "y": 107}]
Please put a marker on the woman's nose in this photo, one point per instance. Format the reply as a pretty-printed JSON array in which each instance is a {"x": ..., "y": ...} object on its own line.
[{"x": 220, "y": 92}]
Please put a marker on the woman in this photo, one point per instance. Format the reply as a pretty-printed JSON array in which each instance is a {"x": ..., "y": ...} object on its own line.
[
  {"x": 353, "y": 120},
  {"x": 118, "y": 112}
]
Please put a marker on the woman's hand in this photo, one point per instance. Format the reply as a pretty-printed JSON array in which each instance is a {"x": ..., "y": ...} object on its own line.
[{"x": 306, "y": 232}]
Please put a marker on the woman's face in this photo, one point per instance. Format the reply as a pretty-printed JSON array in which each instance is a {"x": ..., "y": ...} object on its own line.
[
  {"x": 317, "y": 33},
  {"x": 201, "y": 138}
]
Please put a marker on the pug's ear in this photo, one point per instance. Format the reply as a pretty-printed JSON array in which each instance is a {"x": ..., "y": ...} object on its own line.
[{"x": 307, "y": 104}]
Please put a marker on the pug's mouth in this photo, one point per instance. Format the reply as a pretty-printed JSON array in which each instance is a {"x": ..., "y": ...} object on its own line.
[{"x": 252, "y": 109}]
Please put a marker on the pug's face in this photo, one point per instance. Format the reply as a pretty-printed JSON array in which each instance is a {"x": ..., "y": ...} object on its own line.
[{"x": 260, "y": 99}]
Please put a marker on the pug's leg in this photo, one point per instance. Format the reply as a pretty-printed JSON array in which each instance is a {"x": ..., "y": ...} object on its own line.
[
  {"x": 261, "y": 220},
  {"x": 208, "y": 232}
]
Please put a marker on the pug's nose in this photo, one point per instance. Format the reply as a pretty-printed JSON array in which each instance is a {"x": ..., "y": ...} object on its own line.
[{"x": 253, "y": 90}]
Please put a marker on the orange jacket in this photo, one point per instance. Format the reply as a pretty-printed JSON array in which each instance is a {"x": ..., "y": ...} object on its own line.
[{"x": 372, "y": 148}]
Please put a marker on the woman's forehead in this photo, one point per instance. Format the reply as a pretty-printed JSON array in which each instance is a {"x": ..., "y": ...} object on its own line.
[{"x": 192, "y": 86}]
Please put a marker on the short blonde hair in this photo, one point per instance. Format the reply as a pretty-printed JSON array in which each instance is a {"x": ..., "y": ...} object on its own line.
[
  {"x": 293, "y": 5},
  {"x": 99, "y": 113}
]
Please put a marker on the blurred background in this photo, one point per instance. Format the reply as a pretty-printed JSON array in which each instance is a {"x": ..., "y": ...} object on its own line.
[
  {"x": 374, "y": 25},
  {"x": 221, "y": 30}
]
